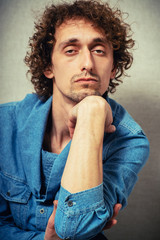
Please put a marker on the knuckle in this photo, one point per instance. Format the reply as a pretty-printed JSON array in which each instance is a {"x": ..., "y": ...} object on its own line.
[{"x": 97, "y": 102}]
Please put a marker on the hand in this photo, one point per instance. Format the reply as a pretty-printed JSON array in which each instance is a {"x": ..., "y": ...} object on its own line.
[
  {"x": 113, "y": 221},
  {"x": 100, "y": 107},
  {"x": 50, "y": 233}
]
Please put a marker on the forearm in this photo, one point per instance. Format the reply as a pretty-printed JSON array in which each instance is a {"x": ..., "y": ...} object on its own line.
[
  {"x": 81, "y": 211},
  {"x": 83, "y": 169}
]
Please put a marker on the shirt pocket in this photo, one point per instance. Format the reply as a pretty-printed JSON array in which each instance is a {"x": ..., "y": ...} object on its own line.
[{"x": 17, "y": 193}]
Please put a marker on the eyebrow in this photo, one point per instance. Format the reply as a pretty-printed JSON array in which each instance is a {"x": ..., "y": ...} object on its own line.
[
  {"x": 100, "y": 40},
  {"x": 75, "y": 40},
  {"x": 67, "y": 42}
]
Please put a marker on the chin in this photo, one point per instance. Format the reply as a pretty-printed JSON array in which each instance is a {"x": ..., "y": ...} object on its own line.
[{"x": 77, "y": 97}]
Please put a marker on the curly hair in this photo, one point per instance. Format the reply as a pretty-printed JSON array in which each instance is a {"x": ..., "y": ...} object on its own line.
[{"x": 41, "y": 44}]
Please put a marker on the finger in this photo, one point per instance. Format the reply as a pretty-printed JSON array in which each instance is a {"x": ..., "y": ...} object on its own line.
[
  {"x": 50, "y": 233},
  {"x": 50, "y": 224},
  {"x": 110, "y": 224},
  {"x": 72, "y": 119},
  {"x": 73, "y": 114},
  {"x": 113, "y": 221},
  {"x": 71, "y": 127},
  {"x": 116, "y": 210},
  {"x": 55, "y": 202},
  {"x": 110, "y": 129}
]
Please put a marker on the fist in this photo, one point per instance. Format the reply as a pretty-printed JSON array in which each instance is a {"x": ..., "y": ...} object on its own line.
[{"x": 92, "y": 109}]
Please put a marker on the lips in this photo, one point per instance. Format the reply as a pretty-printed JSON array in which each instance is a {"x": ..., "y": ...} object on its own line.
[{"x": 86, "y": 80}]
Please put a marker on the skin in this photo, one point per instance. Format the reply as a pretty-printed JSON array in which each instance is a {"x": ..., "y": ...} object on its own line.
[
  {"x": 88, "y": 61},
  {"x": 82, "y": 66}
]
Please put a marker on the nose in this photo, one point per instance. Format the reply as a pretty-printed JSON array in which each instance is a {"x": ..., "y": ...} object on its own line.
[{"x": 87, "y": 62}]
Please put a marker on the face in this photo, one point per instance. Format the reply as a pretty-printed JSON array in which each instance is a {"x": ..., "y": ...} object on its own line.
[{"x": 82, "y": 61}]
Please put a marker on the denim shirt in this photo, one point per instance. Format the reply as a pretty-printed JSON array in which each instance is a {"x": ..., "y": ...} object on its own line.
[{"x": 26, "y": 170}]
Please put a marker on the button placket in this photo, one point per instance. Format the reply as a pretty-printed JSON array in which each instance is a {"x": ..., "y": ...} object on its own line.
[{"x": 41, "y": 217}]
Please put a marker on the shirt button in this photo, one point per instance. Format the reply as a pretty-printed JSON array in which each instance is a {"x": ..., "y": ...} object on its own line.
[
  {"x": 8, "y": 194},
  {"x": 42, "y": 210},
  {"x": 70, "y": 203}
]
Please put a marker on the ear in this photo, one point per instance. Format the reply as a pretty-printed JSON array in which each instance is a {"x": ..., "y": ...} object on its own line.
[
  {"x": 48, "y": 73},
  {"x": 113, "y": 73}
]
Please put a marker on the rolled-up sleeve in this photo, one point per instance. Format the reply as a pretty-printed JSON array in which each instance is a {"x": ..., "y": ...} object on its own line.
[{"x": 81, "y": 215}]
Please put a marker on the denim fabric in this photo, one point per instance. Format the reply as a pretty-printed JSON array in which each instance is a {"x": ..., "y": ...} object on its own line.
[{"x": 28, "y": 186}]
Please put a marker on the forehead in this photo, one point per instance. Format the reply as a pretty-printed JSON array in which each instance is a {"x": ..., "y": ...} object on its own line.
[{"x": 77, "y": 28}]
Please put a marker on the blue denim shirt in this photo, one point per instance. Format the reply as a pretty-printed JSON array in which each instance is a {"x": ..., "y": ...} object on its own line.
[{"x": 26, "y": 170}]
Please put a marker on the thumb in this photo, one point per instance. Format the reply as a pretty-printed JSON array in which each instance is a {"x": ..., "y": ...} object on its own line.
[
  {"x": 51, "y": 220},
  {"x": 72, "y": 118}
]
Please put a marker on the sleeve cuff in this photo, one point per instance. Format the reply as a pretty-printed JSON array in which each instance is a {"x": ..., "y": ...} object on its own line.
[
  {"x": 84, "y": 201},
  {"x": 81, "y": 215}
]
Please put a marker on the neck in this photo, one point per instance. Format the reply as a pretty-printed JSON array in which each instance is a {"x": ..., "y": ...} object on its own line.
[{"x": 58, "y": 135}]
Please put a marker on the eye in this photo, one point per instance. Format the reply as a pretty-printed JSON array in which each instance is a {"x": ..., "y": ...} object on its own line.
[
  {"x": 99, "y": 50},
  {"x": 71, "y": 50}
]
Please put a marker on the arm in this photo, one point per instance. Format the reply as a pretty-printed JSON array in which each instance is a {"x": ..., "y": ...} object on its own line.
[
  {"x": 84, "y": 163},
  {"x": 83, "y": 173},
  {"x": 123, "y": 158},
  {"x": 126, "y": 155}
]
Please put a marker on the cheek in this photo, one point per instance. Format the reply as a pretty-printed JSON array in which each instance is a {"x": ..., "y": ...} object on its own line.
[
  {"x": 105, "y": 75},
  {"x": 62, "y": 77},
  {"x": 62, "y": 68},
  {"x": 105, "y": 85}
]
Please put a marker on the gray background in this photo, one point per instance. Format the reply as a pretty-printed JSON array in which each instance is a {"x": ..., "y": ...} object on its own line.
[{"x": 139, "y": 94}]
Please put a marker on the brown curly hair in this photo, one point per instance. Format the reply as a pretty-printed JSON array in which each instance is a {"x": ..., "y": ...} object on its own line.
[{"x": 41, "y": 44}]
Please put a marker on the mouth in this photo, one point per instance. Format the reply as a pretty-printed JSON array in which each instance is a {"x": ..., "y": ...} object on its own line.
[{"x": 86, "y": 80}]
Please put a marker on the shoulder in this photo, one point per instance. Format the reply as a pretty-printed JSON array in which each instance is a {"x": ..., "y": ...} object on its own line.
[
  {"x": 11, "y": 112},
  {"x": 128, "y": 144},
  {"x": 28, "y": 102},
  {"x": 128, "y": 132}
]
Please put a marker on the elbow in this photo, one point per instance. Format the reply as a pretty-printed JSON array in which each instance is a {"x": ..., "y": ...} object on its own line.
[
  {"x": 80, "y": 226},
  {"x": 145, "y": 148}
]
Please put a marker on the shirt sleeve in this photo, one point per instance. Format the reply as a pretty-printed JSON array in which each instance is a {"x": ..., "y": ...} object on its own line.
[
  {"x": 125, "y": 158},
  {"x": 83, "y": 215},
  {"x": 8, "y": 230}
]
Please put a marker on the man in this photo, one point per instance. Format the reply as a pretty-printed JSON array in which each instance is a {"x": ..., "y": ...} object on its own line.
[{"x": 69, "y": 154}]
